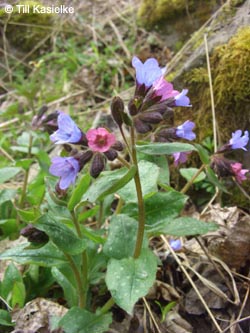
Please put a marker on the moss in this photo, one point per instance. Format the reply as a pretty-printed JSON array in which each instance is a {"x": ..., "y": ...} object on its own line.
[
  {"x": 230, "y": 66},
  {"x": 25, "y": 30}
]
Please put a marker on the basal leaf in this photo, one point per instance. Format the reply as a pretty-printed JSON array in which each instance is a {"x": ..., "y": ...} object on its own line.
[{"x": 8, "y": 173}]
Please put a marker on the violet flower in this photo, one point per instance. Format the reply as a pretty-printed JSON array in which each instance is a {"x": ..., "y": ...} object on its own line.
[
  {"x": 68, "y": 131},
  {"x": 238, "y": 172},
  {"x": 180, "y": 157},
  {"x": 66, "y": 168},
  {"x": 181, "y": 99},
  {"x": 237, "y": 141},
  {"x": 100, "y": 140},
  {"x": 184, "y": 131},
  {"x": 148, "y": 72}
]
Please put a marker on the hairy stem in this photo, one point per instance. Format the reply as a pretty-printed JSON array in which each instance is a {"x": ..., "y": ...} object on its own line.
[
  {"x": 84, "y": 278},
  {"x": 78, "y": 280},
  {"x": 141, "y": 207}
]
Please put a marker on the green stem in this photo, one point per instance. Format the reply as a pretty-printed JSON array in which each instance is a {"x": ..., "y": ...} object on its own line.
[
  {"x": 141, "y": 208},
  {"x": 107, "y": 306},
  {"x": 84, "y": 261},
  {"x": 78, "y": 280},
  {"x": 26, "y": 176},
  {"x": 190, "y": 182}
]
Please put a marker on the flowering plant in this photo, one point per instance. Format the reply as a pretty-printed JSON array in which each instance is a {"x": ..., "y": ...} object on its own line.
[{"x": 126, "y": 204}]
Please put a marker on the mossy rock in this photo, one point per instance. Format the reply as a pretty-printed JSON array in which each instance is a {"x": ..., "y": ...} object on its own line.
[
  {"x": 230, "y": 69},
  {"x": 25, "y": 30}
]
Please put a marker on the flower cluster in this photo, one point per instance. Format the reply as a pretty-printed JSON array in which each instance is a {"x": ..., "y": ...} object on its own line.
[
  {"x": 96, "y": 145},
  {"x": 225, "y": 167}
]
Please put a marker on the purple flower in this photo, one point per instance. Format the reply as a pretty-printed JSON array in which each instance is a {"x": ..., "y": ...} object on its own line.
[
  {"x": 148, "y": 72},
  {"x": 68, "y": 131},
  {"x": 164, "y": 89},
  {"x": 181, "y": 99},
  {"x": 237, "y": 141},
  {"x": 66, "y": 168},
  {"x": 175, "y": 244},
  {"x": 180, "y": 157},
  {"x": 238, "y": 172},
  {"x": 184, "y": 131}
]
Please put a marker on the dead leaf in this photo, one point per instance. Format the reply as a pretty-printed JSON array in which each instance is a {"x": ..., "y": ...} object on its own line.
[{"x": 35, "y": 317}]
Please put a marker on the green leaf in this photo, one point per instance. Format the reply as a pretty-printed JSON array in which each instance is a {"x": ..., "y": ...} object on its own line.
[
  {"x": 8, "y": 226},
  {"x": 6, "y": 195},
  {"x": 122, "y": 237},
  {"x": 130, "y": 279},
  {"x": 203, "y": 153},
  {"x": 5, "y": 318},
  {"x": 79, "y": 320},
  {"x": 78, "y": 191},
  {"x": 11, "y": 275},
  {"x": 23, "y": 149},
  {"x": 109, "y": 182},
  {"x": 69, "y": 290},
  {"x": 188, "y": 226},
  {"x": 24, "y": 163},
  {"x": 28, "y": 215},
  {"x": 160, "y": 209},
  {"x": 188, "y": 173},
  {"x": 18, "y": 294},
  {"x": 8, "y": 173},
  {"x": 48, "y": 255},
  {"x": 164, "y": 148},
  {"x": 62, "y": 236},
  {"x": 149, "y": 173}
]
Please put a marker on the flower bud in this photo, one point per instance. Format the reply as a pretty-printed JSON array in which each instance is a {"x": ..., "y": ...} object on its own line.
[
  {"x": 118, "y": 146},
  {"x": 134, "y": 105},
  {"x": 221, "y": 166},
  {"x": 97, "y": 165},
  {"x": 151, "y": 117},
  {"x": 84, "y": 158},
  {"x": 142, "y": 127},
  {"x": 111, "y": 154},
  {"x": 166, "y": 135},
  {"x": 34, "y": 235},
  {"x": 117, "y": 110}
]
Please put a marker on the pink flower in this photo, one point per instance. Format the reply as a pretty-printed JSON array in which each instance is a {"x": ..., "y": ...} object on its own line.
[
  {"x": 100, "y": 140},
  {"x": 164, "y": 89},
  {"x": 239, "y": 173}
]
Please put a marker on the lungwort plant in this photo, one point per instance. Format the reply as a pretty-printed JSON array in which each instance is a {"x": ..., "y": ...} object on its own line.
[{"x": 120, "y": 183}]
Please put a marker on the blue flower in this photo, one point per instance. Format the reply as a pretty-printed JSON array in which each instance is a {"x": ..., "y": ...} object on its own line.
[
  {"x": 148, "y": 72},
  {"x": 184, "y": 131},
  {"x": 68, "y": 131},
  {"x": 175, "y": 244},
  {"x": 181, "y": 99},
  {"x": 66, "y": 168},
  {"x": 237, "y": 141}
]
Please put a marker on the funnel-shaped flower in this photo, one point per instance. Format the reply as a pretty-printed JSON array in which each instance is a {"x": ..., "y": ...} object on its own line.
[
  {"x": 237, "y": 141},
  {"x": 68, "y": 131},
  {"x": 180, "y": 157},
  {"x": 100, "y": 140},
  {"x": 66, "y": 168},
  {"x": 148, "y": 72},
  {"x": 181, "y": 99},
  {"x": 238, "y": 172},
  {"x": 163, "y": 88},
  {"x": 184, "y": 131}
]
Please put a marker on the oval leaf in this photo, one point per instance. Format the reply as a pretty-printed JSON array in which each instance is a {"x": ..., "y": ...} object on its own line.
[{"x": 164, "y": 148}]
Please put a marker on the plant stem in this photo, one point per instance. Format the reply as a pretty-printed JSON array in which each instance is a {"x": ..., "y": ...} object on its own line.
[
  {"x": 78, "y": 280},
  {"x": 26, "y": 176},
  {"x": 141, "y": 207},
  {"x": 190, "y": 182},
  {"x": 84, "y": 261},
  {"x": 107, "y": 306}
]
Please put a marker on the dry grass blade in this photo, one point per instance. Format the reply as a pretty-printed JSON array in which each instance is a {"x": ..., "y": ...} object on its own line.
[{"x": 151, "y": 315}]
